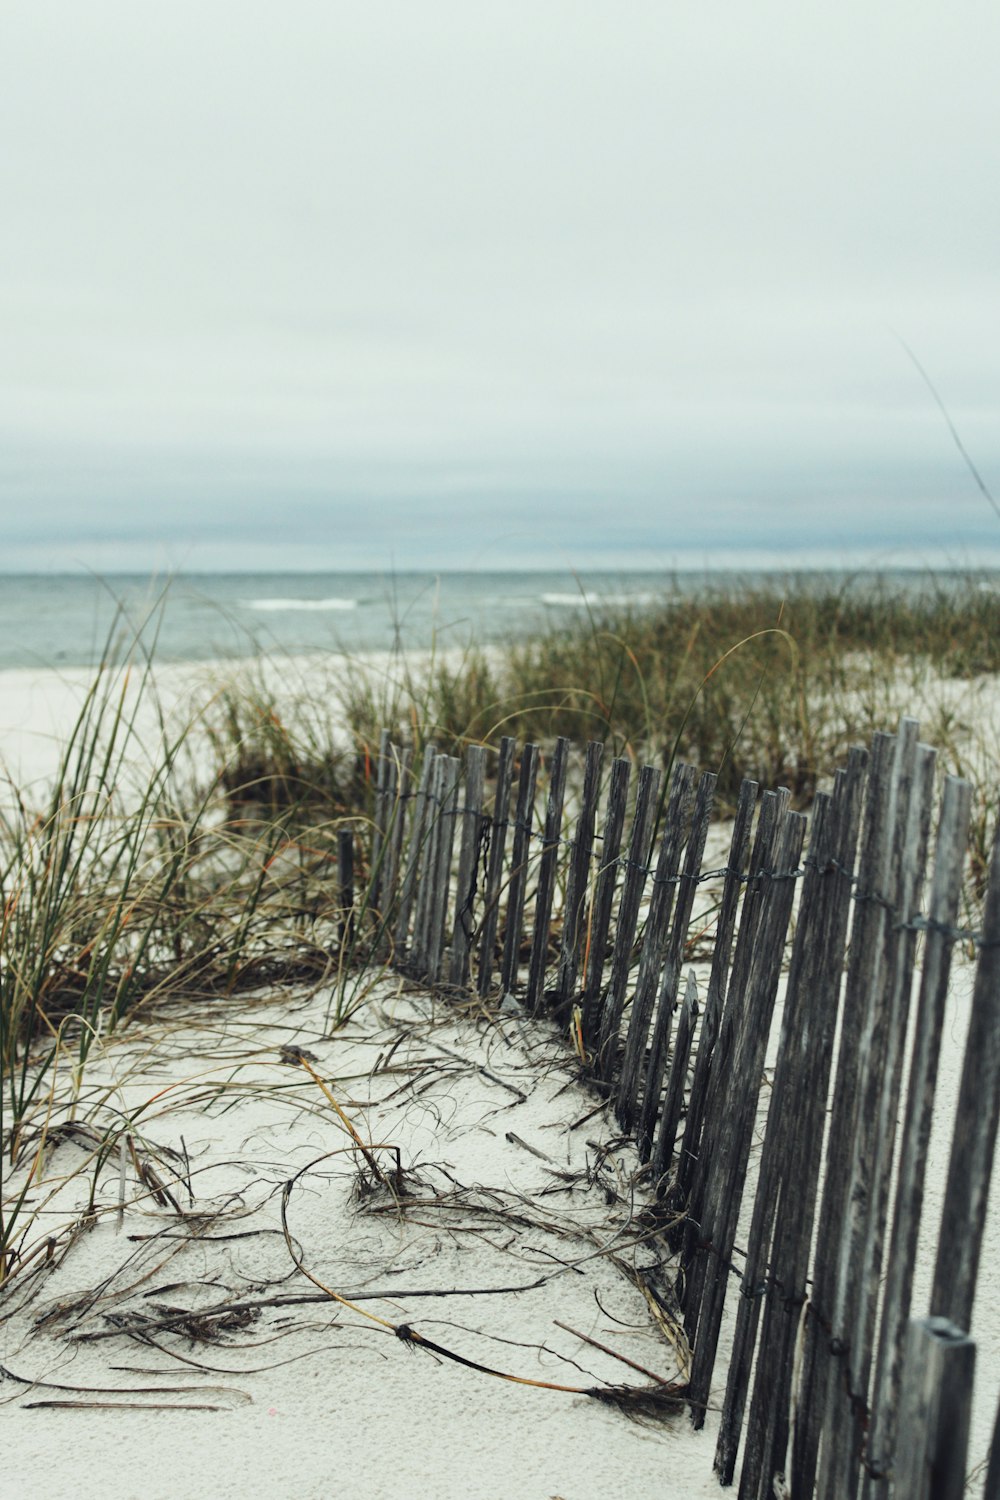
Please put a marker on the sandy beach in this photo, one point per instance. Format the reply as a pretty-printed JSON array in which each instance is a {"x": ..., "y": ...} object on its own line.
[{"x": 451, "y": 1175}]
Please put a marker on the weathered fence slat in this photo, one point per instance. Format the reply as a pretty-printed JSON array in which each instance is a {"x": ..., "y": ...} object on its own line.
[
  {"x": 494, "y": 867},
  {"x": 934, "y": 1412},
  {"x": 468, "y": 863},
  {"x": 636, "y": 869},
  {"x": 547, "y": 871},
  {"x": 345, "y": 884},
  {"x": 578, "y": 881},
  {"x": 698, "y": 1265},
  {"x": 520, "y": 853},
  {"x": 755, "y": 1283},
  {"x": 418, "y": 834},
  {"x": 680, "y": 802},
  {"x": 604, "y": 895},
  {"x": 975, "y": 1131},
  {"x": 943, "y": 907},
  {"x": 820, "y": 1368},
  {"x": 417, "y": 962},
  {"x": 392, "y": 853},
  {"x": 383, "y": 812},
  {"x": 673, "y": 1101},
  {"x": 674, "y": 958},
  {"x": 717, "y": 987},
  {"x": 732, "y": 1133},
  {"x": 799, "y": 1093},
  {"x": 882, "y": 1064},
  {"x": 440, "y": 871}
]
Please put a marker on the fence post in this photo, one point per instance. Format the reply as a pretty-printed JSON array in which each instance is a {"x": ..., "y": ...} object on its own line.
[
  {"x": 935, "y": 1407},
  {"x": 636, "y": 871},
  {"x": 472, "y": 819},
  {"x": 578, "y": 885},
  {"x": 345, "y": 884},
  {"x": 670, "y": 984},
  {"x": 654, "y": 942},
  {"x": 964, "y": 1213},
  {"x": 520, "y": 854},
  {"x": 942, "y": 914},
  {"x": 494, "y": 864},
  {"x": 551, "y": 843},
  {"x": 604, "y": 895}
]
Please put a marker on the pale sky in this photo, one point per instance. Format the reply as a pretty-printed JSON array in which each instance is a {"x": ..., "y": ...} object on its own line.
[{"x": 469, "y": 284}]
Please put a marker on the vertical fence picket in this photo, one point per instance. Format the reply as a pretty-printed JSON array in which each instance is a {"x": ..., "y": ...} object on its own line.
[
  {"x": 673, "y": 1101},
  {"x": 578, "y": 882},
  {"x": 755, "y": 1280},
  {"x": 946, "y": 891},
  {"x": 468, "y": 860},
  {"x": 698, "y": 1265},
  {"x": 936, "y": 1401},
  {"x": 440, "y": 871},
  {"x": 499, "y": 824},
  {"x": 820, "y": 1377},
  {"x": 975, "y": 1130},
  {"x": 520, "y": 855},
  {"x": 392, "y": 852},
  {"x": 636, "y": 870},
  {"x": 345, "y": 885},
  {"x": 731, "y": 1148},
  {"x": 383, "y": 808},
  {"x": 418, "y": 835},
  {"x": 882, "y": 1061},
  {"x": 604, "y": 894},
  {"x": 547, "y": 872},
  {"x": 791, "y": 1165},
  {"x": 654, "y": 941},
  {"x": 660, "y": 1040},
  {"x": 717, "y": 986},
  {"x": 423, "y": 905}
]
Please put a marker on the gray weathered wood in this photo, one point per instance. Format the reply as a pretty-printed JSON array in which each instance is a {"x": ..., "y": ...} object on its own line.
[
  {"x": 935, "y": 1407},
  {"x": 734, "y": 1129},
  {"x": 547, "y": 871},
  {"x": 717, "y": 987},
  {"x": 578, "y": 883},
  {"x": 798, "y": 1104},
  {"x": 897, "y": 897},
  {"x": 382, "y": 813},
  {"x": 991, "y": 1487},
  {"x": 673, "y": 961},
  {"x": 520, "y": 855},
  {"x": 756, "y": 1283},
  {"x": 468, "y": 864},
  {"x": 604, "y": 894},
  {"x": 414, "y": 852},
  {"x": 943, "y": 907},
  {"x": 699, "y": 1264},
  {"x": 822, "y": 1375},
  {"x": 655, "y": 936},
  {"x": 975, "y": 1131},
  {"x": 636, "y": 875},
  {"x": 499, "y": 824},
  {"x": 673, "y": 1102},
  {"x": 345, "y": 885},
  {"x": 392, "y": 854},
  {"x": 418, "y": 959},
  {"x": 440, "y": 871}
]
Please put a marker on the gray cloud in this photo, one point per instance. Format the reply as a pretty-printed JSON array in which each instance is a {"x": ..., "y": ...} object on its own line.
[{"x": 437, "y": 275}]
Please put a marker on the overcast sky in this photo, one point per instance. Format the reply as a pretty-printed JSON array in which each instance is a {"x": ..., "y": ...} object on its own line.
[{"x": 453, "y": 284}]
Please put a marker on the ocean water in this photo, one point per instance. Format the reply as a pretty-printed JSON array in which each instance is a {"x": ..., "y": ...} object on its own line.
[{"x": 58, "y": 620}]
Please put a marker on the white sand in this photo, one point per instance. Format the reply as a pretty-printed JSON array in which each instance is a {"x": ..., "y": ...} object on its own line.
[{"x": 314, "y": 1399}]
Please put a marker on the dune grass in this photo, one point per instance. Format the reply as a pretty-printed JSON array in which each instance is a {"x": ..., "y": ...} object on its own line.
[{"x": 142, "y": 881}]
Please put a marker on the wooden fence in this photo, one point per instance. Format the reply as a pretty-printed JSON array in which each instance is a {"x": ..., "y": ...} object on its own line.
[{"x": 583, "y": 896}]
